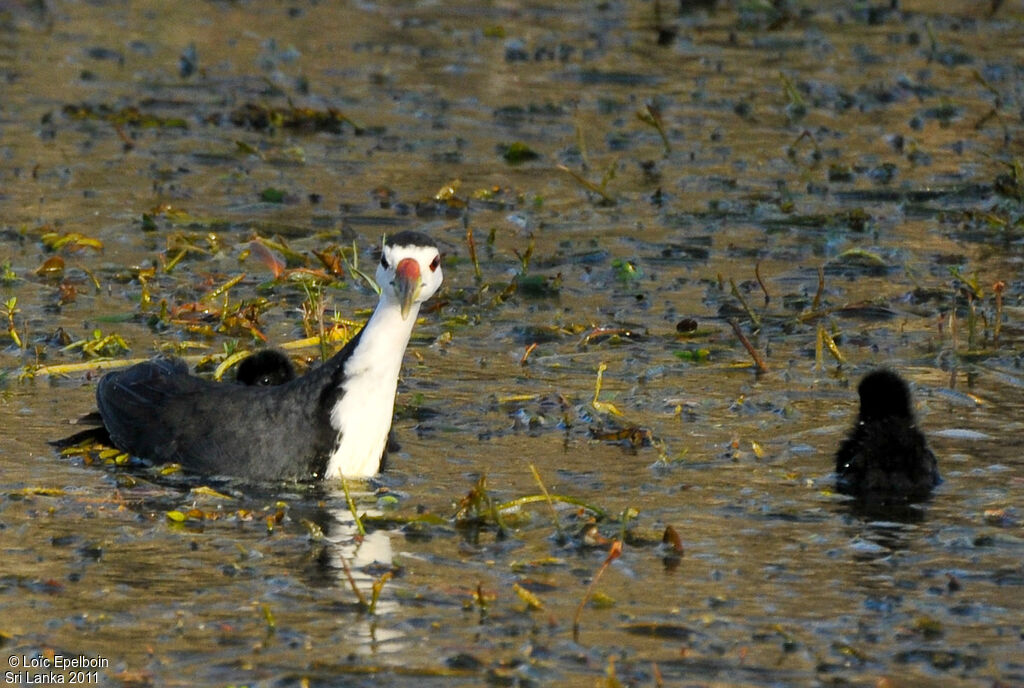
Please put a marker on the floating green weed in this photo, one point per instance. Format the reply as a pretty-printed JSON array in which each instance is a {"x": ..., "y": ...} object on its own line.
[
  {"x": 7, "y": 274},
  {"x": 11, "y": 309},
  {"x": 99, "y": 345},
  {"x": 517, "y": 153}
]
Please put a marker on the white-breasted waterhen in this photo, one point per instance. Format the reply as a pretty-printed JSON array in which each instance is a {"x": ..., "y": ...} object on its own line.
[{"x": 333, "y": 421}]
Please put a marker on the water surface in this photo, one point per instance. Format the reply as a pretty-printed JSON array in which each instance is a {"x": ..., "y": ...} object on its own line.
[{"x": 795, "y": 140}]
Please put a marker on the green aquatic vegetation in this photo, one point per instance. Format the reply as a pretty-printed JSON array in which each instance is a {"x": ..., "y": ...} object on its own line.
[
  {"x": 550, "y": 501},
  {"x": 538, "y": 286},
  {"x": 517, "y": 152},
  {"x": 7, "y": 274},
  {"x": 180, "y": 245},
  {"x": 272, "y": 195},
  {"x": 99, "y": 345},
  {"x": 268, "y": 618},
  {"x": 10, "y": 308},
  {"x": 599, "y": 189},
  {"x": 131, "y": 116},
  {"x": 651, "y": 116},
  {"x": 614, "y": 335},
  {"x": 970, "y": 289},
  {"x": 840, "y": 172},
  {"x": 795, "y": 108},
  {"x": 602, "y": 406},
  {"x": 1011, "y": 184},
  {"x": 859, "y": 260},
  {"x": 352, "y": 509},
  {"x": 477, "y": 507},
  {"x": 255, "y": 116},
  {"x": 700, "y": 355},
  {"x": 825, "y": 340},
  {"x": 533, "y": 602},
  {"x": 72, "y": 241},
  {"x": 626, "y": 271}
]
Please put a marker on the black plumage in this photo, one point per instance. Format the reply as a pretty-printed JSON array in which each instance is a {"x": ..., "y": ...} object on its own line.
[
  {"x": 263, "y": 368},
  {"x": 158, "y": 411},
  {"x": 885, "y": 457}
]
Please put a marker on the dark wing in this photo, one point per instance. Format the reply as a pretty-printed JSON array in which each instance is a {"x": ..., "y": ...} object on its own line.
[
  {"x": 157, "y": 411},
  {"x": 93, "y": 434},
  {"x": 142, "y": 407}
]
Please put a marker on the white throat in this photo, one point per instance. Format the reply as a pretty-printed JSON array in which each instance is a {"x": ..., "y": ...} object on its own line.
[{"x": 363, "y": 412}]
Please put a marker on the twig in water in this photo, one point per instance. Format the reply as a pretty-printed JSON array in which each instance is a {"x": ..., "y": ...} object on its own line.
[
  {"x": 526, "y": 354},
  {"x": 821, "y": 289},
  {"x": 819, "y": 351},
  {"x": 352, "y": 582},
  {"x": 651, "y": 115},
  {"x": 614, "y": 553},
  {"x": 757, "y": 273},
  {"x": 739, "y": 297},
  {"x": 998, "y": 288},
  {"x": 472, "y": 254},
  {"x": 758, "y": 361},
  {"x": 588, "y": 185}
]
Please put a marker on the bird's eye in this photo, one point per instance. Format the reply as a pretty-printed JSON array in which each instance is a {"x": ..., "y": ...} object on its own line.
[
  {"x": 435, "y": 263},
  {"x": 384, "y": 261}
]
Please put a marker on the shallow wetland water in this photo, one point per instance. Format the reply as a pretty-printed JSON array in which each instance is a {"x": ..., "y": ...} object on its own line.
[{"x": 634, "y": 175}]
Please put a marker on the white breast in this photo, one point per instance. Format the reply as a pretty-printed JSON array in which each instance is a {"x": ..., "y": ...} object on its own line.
[{"x": 363, "y": 413}]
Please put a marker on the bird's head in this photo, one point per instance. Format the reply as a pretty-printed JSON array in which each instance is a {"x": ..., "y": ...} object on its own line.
[
  {"x": 884, "y": 394},
  {"x": 409, "y": 271}
]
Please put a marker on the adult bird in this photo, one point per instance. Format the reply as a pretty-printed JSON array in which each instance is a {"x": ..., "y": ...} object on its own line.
[
  {"x": 885, "y": 458},
  {"x": 333, "y": 421}
]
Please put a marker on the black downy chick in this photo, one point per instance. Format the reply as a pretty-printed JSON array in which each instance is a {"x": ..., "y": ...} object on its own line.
[
  {"x": 267, "y": 367},
  {"x": 885, "y": 458}
]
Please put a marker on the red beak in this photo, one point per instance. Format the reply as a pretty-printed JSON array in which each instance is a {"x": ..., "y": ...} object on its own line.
[{"x": 407, "y": 284}]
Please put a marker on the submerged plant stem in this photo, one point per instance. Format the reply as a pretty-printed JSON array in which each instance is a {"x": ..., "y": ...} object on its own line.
[
  {"x": 352, "y": 507},
  {"x": 531, "y": 499},
  {"x": 613, "y": 554},
  {"x": 352, "y": 582},
  {"x": 551, "y": 503},
  {"x": 589, "y": 186}
]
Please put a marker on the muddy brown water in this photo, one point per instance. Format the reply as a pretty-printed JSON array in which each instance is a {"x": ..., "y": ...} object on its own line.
[{"x": 794, "y": 137}]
